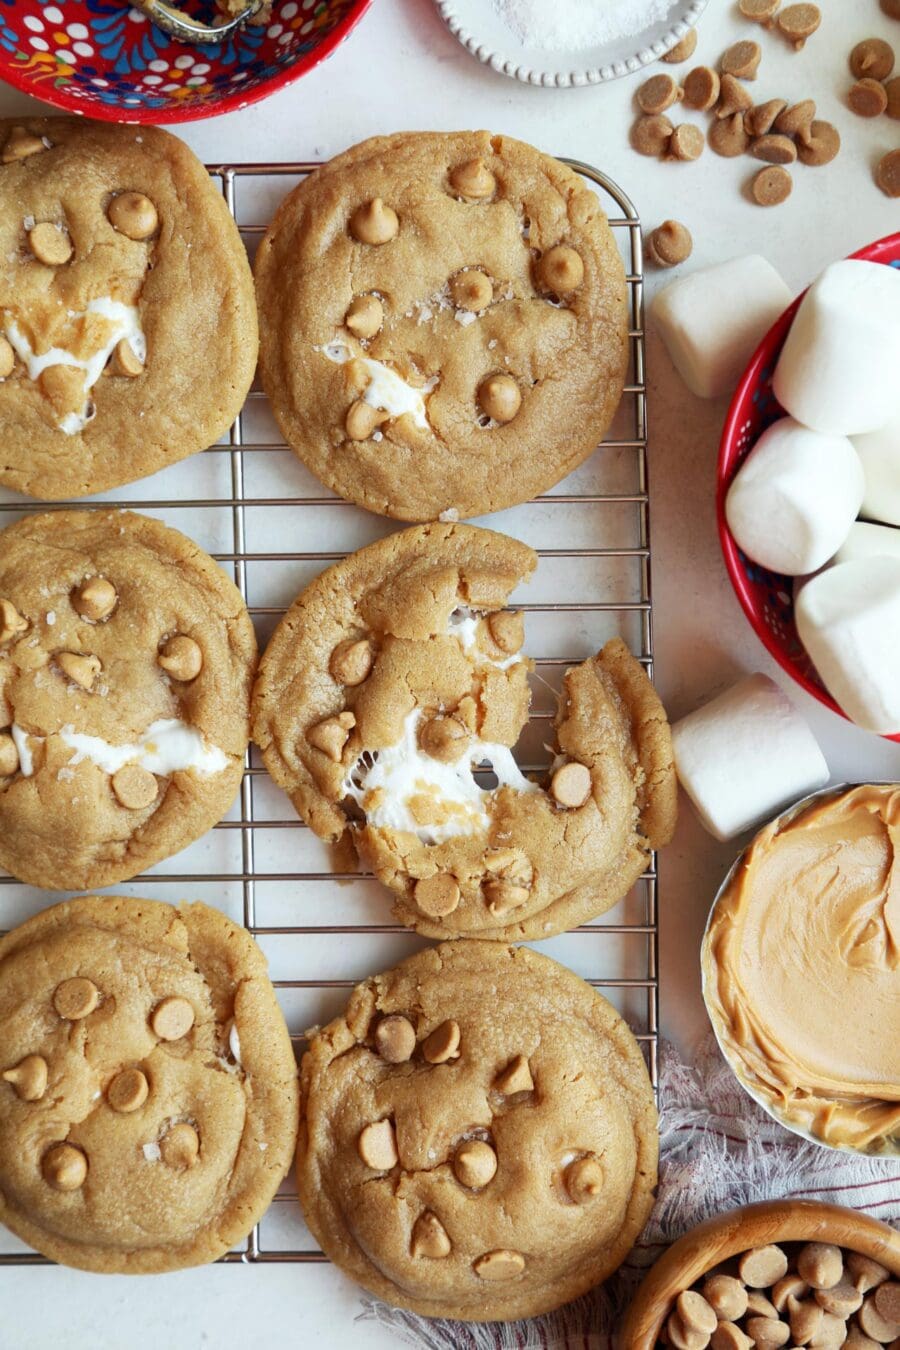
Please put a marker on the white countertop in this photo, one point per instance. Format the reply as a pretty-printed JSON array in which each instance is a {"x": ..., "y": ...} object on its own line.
[{"x": 401, "y": 69}]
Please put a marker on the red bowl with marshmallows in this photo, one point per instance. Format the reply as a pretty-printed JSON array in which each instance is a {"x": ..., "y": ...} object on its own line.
[{"x": 766, "y": 597}]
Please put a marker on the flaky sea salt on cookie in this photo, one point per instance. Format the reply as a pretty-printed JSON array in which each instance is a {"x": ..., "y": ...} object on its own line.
[{"x": 388, "y": 705}]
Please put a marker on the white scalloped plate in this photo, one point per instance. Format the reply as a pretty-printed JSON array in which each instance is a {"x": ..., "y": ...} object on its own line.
[{"x": 483, "y": 32}]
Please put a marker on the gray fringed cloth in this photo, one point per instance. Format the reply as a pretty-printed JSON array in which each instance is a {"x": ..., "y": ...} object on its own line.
[{"x": 718, "y": 1149}]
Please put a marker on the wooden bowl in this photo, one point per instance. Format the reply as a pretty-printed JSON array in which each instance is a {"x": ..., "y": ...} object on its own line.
[{"x": 725, "y": 1236}]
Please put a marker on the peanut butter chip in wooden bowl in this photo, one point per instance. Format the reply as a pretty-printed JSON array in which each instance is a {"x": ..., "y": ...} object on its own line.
[
  {"x": 181, "y": 657},
  {"x": 872, "y": 57},
  {"x": 443, "y": 1043},
  {"x": 429, "y": 1238},
  {"x": 374, "y": 223},
  {"x": 865, "y": 1273},
  {"x": 395, "y": 1039},
  {"x": 571, "y": 785},
  {"x": 768, "y": 1333},
  {"x": 9, "y": 755},
  {"x": 172, "y": 1018},
  {"x": 180, "y": 1146},
  {"x": 727, "y": 1336},
  {"x": 12, "y": 623},
  {"x": 128, "y": 1091},
  {"x": 583, "y": 1180},
  {"x": 516, "y": 1077},
  {"x": 471, "y": 290},
  {"x": 134, "y": 787},
  {"x": 76, "y": 998},
  {"x": 874, "y": 1324},
  {"x": 499, "y": 1265},
  {"x": 696, "y": 1314},
  {"x": 134, "y": 215},
  {"x": 28, "y": 1078},
  {"x": 842, "y": 1299},
  {"x": 377, "y": 1146},
  {"x": 790, "y": 1286},
  {"x": 365, "y": 316},
  {"x": 437, "y": 896},
  {"x": 7, "y": 359},
  {"x": 473, "y": 179},
  {"x": 50, "y": 244},
  {"x": 499, "y": 398},
  {"x": 820, "y": 1264},
  {"x": 727, "y": 1296},
  {"x": 763, "y": 1266},
  {"x": 474, "y": 1164},
  {"x": 65, "y": 1167},
  {"x": 20, "y": 144},
  {"x": 887, "y": 1301},
  {"x": 352, "y": 661},
  {"x": 95, "y": 599}
]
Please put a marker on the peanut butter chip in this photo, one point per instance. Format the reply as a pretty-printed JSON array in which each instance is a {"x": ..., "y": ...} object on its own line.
[
  {"x": 571, "y": 785},
  {"x": 76, "y": 998},
  {"x": 760, "y": 11},
  {"x": 12, "y": 623},
  {"x": 822, "y": 146},
  {"x": 857, "y": 1340},
  {"x": 21, "y": 144},
  {"x": 135, "y": 787},
  {"x": 395, "y": 1039},
  {"x": 80, "y": 669},
  {"x": 125, "y": 361},
  {"x": 474, "y": 1164},
  {"x": 516, "y": 1077},
  {"x": 763, "y": 1266},
  {"x": 95, "y": 599},
  {"x": 651, "y": 135},
  {"x": 351, "y": 661},
  {"x": 50, "y": 244},
  {"x": 9, "y": 755},
  {"x": 499, "y": 1265},
  {"x": 658, "y": 93},
  {"x": 742, "y": 60},
  {"x": 874, "y": 1324},
  {"x": 887, "y": 173},
  {"x": 842, "y": 1299},
  {"x": 695, "y": 1313},
  {"x": 503, "y": 895},
  {"x": 128, "y": 1091},
  {"x": 561, "y": 269},
  {"x": 499, "y": 397},
  {"x": 790, "y": 1287},
  {"x": 887, "y": 1301},
  {"x": 377, "y": 1145},
  {"x": 331, "y": 735},
  {"x": 797, "y": 120},
  {"x": 865, "y": 1273},
  {"x": 678, "y": 1335},
  {"x": 805, "y": 1320},
  {"x": 820, "y": 1264},
  {"x": 29, "y": 1078},
  {"x": 799, "y": 22},
  {"x": 683, "y": 50},
  {"x": 868, "y": 98},
  {"x": 727, "y": 1296},
  {"x": 892, "y": 89},
  {"x": 172, "y": 1018},
  {"x": 7, "y": 359},
  {"x": 134, "y": 215},
  {"x": 429, "y": 1237},
  {"x": 471, "y": 290},
  {"x": 768, "y": 1333},
  {"x": 774, "y": 149},
  {"x": 760, "y": 120},
  {"x": 443, "y": 1043},
  {"x": 374, "y": 223},
  {"x": 473, "y": 179},
  {"x": 365, "y": 316},
  {"x": 507, "y": 628},
  {"x": 701, "y": 89},
  {"x": 734, "y": 97},
  {"x": 872, "y": 57},
  {"x": 728, "y": 138},
  {"x": 772, "y": 186},
  {"x": 686, "y": 142},
  {"x": 181, "y": 657},
  {"x": 64, "y": 1167},
  {"x": 443, "y": 738},
  {"x": 583, "y": 1179},
  {"x": 669, "y": 244},
  {"x": 362, "y": 420},
  {"x": 760, "y": 1306},
  {"x": 891, "y": 8},
  {"x": 727, "y": 1336},
  {"x": 437, "y": 896},
  {"x": 180, "y": 1146}
]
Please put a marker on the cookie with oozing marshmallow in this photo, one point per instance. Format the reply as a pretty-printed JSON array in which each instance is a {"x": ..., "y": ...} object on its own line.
[
  {"x": 126, "y": 660},
  {"x": 443, "y": 323},
  {"x": 128, "y": 332},
  {"x": 477, "y": 1134},
  {"x": 395, "y": 675},
  {"x": 148, "y": 1089}
]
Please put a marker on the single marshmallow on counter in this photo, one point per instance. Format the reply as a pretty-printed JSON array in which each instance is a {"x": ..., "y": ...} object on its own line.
[
  {"x": 848, "y": 618},
  {"x": 879, "y": 452},
  {"x": 838, "y": 368},
  {"x": 713, "y": 320},
  {"x": 745, "y": 755},
  {"x": 868, "y": 541},
  {"x": 795, "y": 497}
]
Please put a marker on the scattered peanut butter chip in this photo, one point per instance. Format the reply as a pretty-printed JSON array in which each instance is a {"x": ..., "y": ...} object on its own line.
[
  {"x": 28, "y": 1077},
  {"x": 135, "y": 787},
  {"x": 772, "y": 186},
  {"x": 887, "y": 1301},
  {"x": 891, "y": 8},
  {"x": 820, "y": 1264},
  {"x": 437, "y": 896},
  {"x": 499, "y": 1265},
  {"x": 64, "y": 1167},
  {"x": 504, "y": 895},
  {"x": 365, "y": 316},
  {"x": 701, "y": 88},
  {"x": 128, "y": 1091},
  {"x": 728, "y": 138},
  {"x": 873, "y": 57},
  {"x": 823, "y": 145},
  {"x": 791, "y": 1286},
  {"x": 351, "y": 661},
  {"x": 516, "y": 1077},
  {"x": 134, "y": 215},
  {"x": 799, "y": 22},
  {"x": 7, "y": 359},
  {"x": 95, "y": 599},
  {"x": 741, "y": 60},
  {"x": 866, "y": 1273},
  {"x": 21, "y": 144},
  {"x": 362, "y": 420},
  {"x": 474, "y": 1164},
  {"x": 443, "y": 1043},
  {"x": 728, "y": 1336},
  {"x": 686, "y": 142},
  {"x": 583, "y": 1179},
  {"x": 651, "y": 135},
  {"x": 762, "y": 1267},
  {"x": 669, "y": 244},
  {"x": 887, "y": 173},
  {"x": 76, "y": 998},
  {"x": 50, "y": 244},
  {"x": 125, "y": 360},
  {"x": 80, "y": 669},
  {"x": 683, "y": 50},
  {"x": 377, "y": 1145},
  {"x": 180, "y": 1146},
  {"x": 429, "y": 1237},
  {"x": 443, "y": 738},
  {"x": 374, "y": 222},
  {"x": 172, "y": 1018},
  {"x": 12, "y": 623},
  {"x": 734, "y": 97},
  {"x": 873, "y": 1323},
  {"x": 331, "y": 735},
  {"x": 571, "y": 785},
  {"x": 760, "y": 11},
  {"x": 507, "y": 628},
  {"x": 760, "y": 119},
  {"x": 473, "y": 179},
  {"x": 868, "y": 98},
  {"x": 471, "y": 290},
  {"x": 561, "y": 268},
  {"x": 774, "y": 148},
  {"x": 727, "y": 1296},
  {"x": 695, "y": 1313},
  {"x": 9, "y": 755},
  {"x": 499, "y": 397},
  {"x": 395, "y": 1039},
  {"x": 797, "y": 120},
  {"x": 657, "y": 94},
  {"x": 768, "y": 1333},
  {"x": 892, "y": 89},
  {"x": 842, "y": 1299}
]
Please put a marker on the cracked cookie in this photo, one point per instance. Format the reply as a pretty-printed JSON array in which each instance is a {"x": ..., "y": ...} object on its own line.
[
  {"x": 470, "y": 1165},
  {"x": 126, "y": 659},
  {"x": 148, "y": 1093},
  {"x": 387, "y": 705},
  {"x": 443, "y": 323},
  {"x": 128, "y": 332}
]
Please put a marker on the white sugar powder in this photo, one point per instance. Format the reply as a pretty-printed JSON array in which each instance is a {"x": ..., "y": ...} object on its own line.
[{"x": 571, "y": 25}]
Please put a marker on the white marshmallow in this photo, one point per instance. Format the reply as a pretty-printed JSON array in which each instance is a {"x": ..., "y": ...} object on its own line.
[
  {"x": 713, "y": 320},
  {"x": 745, "y": 755},
  {"x": 795, "y": 497},
  {"x": 868, "y": 541},
  {"x": 879, "y": 452},
  {"x": 838, "y": 368},
  {"x": 848, "y": 618}
]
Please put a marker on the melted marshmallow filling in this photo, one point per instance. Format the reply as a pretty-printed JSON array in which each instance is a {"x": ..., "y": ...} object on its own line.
[
  {"x": 168, "y": 746},
  {"x": 463, "y": 625},
  {"x": 385, "y": 389}
]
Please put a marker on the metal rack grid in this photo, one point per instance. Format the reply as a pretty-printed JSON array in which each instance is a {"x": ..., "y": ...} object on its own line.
[{"x": 264, "y": 824}]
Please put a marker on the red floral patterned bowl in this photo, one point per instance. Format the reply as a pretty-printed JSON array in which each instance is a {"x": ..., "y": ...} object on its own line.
[
  {"x": 766, "y": 597},
  {"x": 107, "y": 60}
]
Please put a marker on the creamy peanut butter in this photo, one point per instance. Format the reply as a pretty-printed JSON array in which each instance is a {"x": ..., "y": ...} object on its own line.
[{"x": 801, "y": 965}]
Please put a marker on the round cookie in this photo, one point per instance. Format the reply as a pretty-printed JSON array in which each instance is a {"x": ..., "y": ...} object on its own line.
[
  {"x": 443, "y": 323},
  {"x": 493, "y": 1167},
  {"x": 398, "y": 670},
  {"x": 128, "y": 331},
  {"x": 148, "y": 1093},
  {"x": 126, "y": 660}
]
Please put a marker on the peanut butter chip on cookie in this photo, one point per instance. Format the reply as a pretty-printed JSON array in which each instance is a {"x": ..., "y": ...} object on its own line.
[
  {"x": 76, "y": 998},
  {"x": 95, "y": 599},
  {"x": 799, "y": 22},
  {"x": 516, "y": 1077},
  {"x": 331, "y": 735},
  {"x": 125, "y": 360},
  {"x": 180, "y": 1146},
  {"x": 377, "y": 1145},
  {"x": 474, "y": 1164},
  {"x": 873, "y": 57},
  {"x": 374, "y": 222},
  {"x": 362, "y": 420},
  {"x": 80, "y": 669},
  {"x": 351, "y": 661},
  {"x": 471, "y": 290},
  {"x": 443, "y": 1043},
  {"x": 763, "y": 1266},
  {"x": 443, "y": 738},
  {"x": 20, "y": 144},
  {"x": 172, "y": 1018},
  {"x": 571, "y": 785},
  {"x": 887, "y": 173},
  {"x": 499, "y": 397},
  {"x": 504, "y": 895},
  {"x": 181, "y": 657},
  {"x": 9, "y": 755},
  {"x": 364, "y": 316},
  {"x": 128, "y": 1091},
  {"x": 50, "y": 244},
  {"x": 134, "y": 786},
  {"x": 473, "y": 179},
  {"x": 29, "y": 1078},
  {"x": 134, "y": 215},
  {"x": 499, "y": 1265},
  {"x": 12, "y": 623},
  {"x": 429, "y": 1237},
  {"x": 395, "y": 1039},
  {"x": 701, "y": 88},
  {"x": 7, "y": 359},
  {"x": 583, "y": 1180},
  {"x": 437, "y": 896},
  {"x": 64, "y": 1167},
  {"x": 561, "y": 269},
  {"x": 507, "y": 628}
]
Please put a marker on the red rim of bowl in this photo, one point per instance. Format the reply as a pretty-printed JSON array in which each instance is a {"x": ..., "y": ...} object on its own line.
[
  {"x": 103, "y": 112},
  {"x": 767, "y": 350}
]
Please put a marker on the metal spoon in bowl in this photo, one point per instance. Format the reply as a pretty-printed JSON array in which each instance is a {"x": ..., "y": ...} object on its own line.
[{"x": 180, "y": 25}]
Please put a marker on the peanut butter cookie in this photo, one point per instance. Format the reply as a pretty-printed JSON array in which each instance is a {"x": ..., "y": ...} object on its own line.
[
  {"x": 483, "y": 1167},
  {"x": 443, "y": 323},
  {"x": 387, "y": 706},
  {"x": 148, "y": 1094},
  {"x": 126, "y": 659},
  {"x": 128, "y": 332}
]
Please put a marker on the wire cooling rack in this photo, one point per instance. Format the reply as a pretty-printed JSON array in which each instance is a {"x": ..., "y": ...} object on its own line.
[{"x": 251, "y": 504}]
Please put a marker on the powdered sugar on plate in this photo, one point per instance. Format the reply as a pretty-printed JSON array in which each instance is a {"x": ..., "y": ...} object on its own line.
[{"x": 572, "y": 25}]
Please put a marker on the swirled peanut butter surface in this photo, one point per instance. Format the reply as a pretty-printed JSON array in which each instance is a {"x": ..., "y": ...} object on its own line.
[{"x": 801, "y": 965}]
